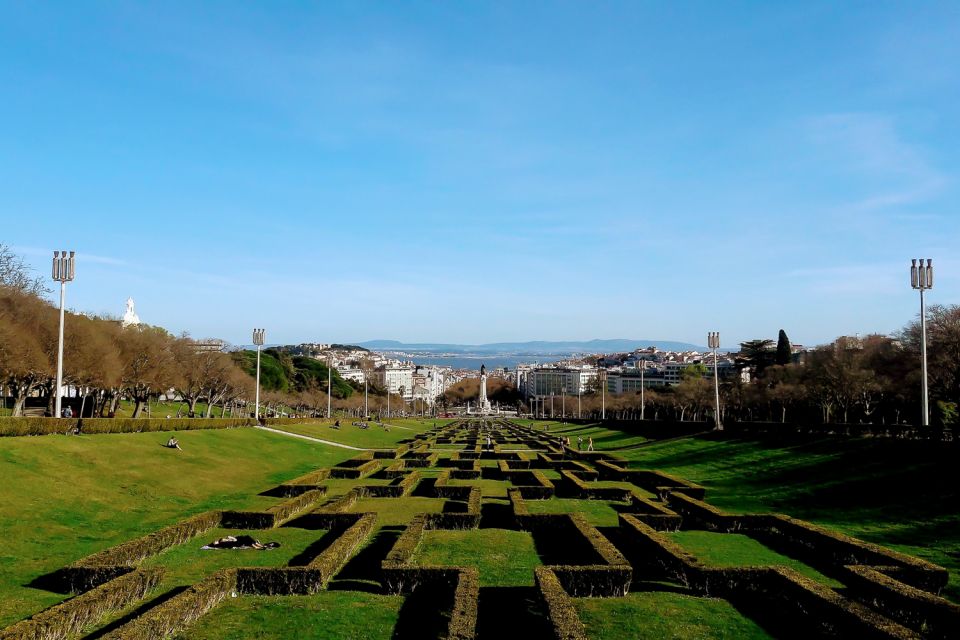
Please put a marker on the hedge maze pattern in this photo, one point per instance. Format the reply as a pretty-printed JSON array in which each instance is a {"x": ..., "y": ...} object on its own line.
[{"x": 884, "y": 594}]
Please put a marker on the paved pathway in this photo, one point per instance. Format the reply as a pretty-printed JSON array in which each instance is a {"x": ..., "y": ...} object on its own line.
[{"x": 311, "y": 438}]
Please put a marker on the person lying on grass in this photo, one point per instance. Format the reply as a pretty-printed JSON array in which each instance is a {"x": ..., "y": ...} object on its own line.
[{"x": 239, "y": 542}]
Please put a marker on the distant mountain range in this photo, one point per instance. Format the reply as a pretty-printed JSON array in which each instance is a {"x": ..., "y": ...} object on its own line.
[{"x": 536, "y": 347}]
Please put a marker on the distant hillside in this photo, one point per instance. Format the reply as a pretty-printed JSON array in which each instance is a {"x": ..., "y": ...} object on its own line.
[
  {"x": 279, "y": 371},
  {"x": 537, "y": 347}
]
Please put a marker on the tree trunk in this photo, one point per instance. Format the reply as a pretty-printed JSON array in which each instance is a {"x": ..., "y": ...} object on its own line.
[{"x": 137, "y": 407}]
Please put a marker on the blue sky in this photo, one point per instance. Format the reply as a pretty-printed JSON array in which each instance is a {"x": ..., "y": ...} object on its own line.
[{"x": 478, "y": 172}]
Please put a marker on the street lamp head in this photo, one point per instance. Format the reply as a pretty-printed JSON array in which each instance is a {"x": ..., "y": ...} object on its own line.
[
  {"x": 713, "y": 339},
  {"x": 921, "y": 277},
  {"x": 64, "y": 266},
  {"x": 258, "y": 336}
]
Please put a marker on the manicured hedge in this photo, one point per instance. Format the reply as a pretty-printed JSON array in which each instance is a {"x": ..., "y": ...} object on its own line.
[
  {"x": 470, "y": 519},
  {"x": 824, "y": 547},
  {"x": 110, "y": 563},
  {"x": 705, "y": 515},
  {"x": 575, "y": 485},
  {"x": 935, "y": 617},
  {"x": 52, "y": 426},
  {"x": 341, "y": 503},
  {"x": 653, "y": 513},
  {"x": 463, "y": 613},
  {"x": 177, "y": 613},
  {"x": 275, "y": 515},
  {"x": 314, "y": 576},
  {"x": 560, "y": 610},
  {"x": 72, "y": 616},
  {"x": 396, "y": 489},
  {"x": 361, "y": 470}
]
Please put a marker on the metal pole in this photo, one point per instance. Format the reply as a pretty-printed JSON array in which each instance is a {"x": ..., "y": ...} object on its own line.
[
  {"x": 921, "y": 277},
  {"x": 366, "y": 410},
  {"x": 603, "y": 394},
  {"x": 256, "y": 406},
  {"x": 63, "y": 293},
  {"x": 923, "y": 359},
  {"x": 716, "y": 389},
  {"x": 329, "y": 386},
  {"x": 643, "y": 404}
]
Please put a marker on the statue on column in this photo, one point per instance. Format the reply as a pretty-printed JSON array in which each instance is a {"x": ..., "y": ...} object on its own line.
[{"x": 130, "y": 317}]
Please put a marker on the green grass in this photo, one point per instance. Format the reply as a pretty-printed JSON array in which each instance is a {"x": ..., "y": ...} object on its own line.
[
  {"x": 187, "y": 563},
  {"x": 328, "y": 615},
  {"x": 737, "y": 550},
  {"x": 374, "y": 437},
  {"x": 901, "y": 494},
  {"x": 657, "y": 615},
  {"x": 394, "y": 511},
  {"x": 504, "y": 558},
  {"x": 490, "y": 488},
  {"x": 598, "y": 512},
  {"x": 65, "y": 497}
]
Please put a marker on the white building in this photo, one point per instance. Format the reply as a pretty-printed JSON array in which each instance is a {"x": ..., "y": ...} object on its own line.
[
  {"x": 555, "y": 381},
  {"x": 351, "y": 373},
  {"x": 396, "y": 379}
]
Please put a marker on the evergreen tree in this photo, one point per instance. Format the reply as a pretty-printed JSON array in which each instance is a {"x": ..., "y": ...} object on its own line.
[{"x": 784, "y": 352}]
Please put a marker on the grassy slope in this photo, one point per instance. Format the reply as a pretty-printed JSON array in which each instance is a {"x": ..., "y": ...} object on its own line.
[
  {"x": 657, "y": 615},
  {"x": 373, "y": 437},
  {"x": 900, "y": 494},
  {"x": 66, "y": 497}
]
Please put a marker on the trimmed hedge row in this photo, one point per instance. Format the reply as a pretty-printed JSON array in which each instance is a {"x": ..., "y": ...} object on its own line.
[
  {"x": 341, "y": 503},
  {"x": 70, "y": 617},
  {"x": 934, "y": 616},
  {"x": 415, "y": 460},
  {"x": 357, "y": 472},
  {"x": 98, "y": 568},
  {"x": 780, "y": 587},
  {"x": 602, "y": 571},
  {"x": 394, "y": 489},
  {"x": 314, "y": 576},
  {"x": 541, "y": 487},
  {"x": 824, "y": 546},
  {"x": 576, "y": 486},
  {"x": 706, "y": 515},
  {"x": 275, "y": 515},
  {"x": 470, "y": 519},
  {"x": 399, "y": 576},
  {"x": 177, "y": 613},
  {"x": 463, "y": 613},
  {"x": 53, "y": 426},
  {"x": 560, "y": 610},
  {"x": 653, "y": 513}
]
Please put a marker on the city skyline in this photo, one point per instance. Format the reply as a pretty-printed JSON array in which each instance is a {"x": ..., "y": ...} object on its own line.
[{"x": 472, "y": 175}]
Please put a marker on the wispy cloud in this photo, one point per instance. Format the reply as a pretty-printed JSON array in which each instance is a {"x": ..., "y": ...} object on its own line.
[{"x": 872, "y": 146}]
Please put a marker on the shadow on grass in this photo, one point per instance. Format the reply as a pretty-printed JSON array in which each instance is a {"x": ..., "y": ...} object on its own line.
[
  {"x": 136, "y": 613},
  {"x": 362, "y": 572},
  {"x": 511, "y": 612},
  {"x": 496, "y": 513},
  {"x": 420, "y": 616}
]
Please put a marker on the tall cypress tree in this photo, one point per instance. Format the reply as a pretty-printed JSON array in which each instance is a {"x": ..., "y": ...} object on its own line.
[{"x": 784, "y": 353}]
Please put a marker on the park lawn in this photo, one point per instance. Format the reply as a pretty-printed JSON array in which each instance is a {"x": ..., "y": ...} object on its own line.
[
  {"x": 503, "y": 557},
  {"x": 664, "y": 615},
  {"x": 599, "y": 513},
  {"x": 373, "y": 437},
  {"x": 327, "y": 615},
  {"x": 603, "y": 438},
  {"x": 397, "y": 511},
  {"x": 187, "y": 563},
  {"x": 66, "y": 497},
  {"x": 738, "y": 550},
  {"x": 901, "y": 494},
  {"x": 490, "y": 488}
]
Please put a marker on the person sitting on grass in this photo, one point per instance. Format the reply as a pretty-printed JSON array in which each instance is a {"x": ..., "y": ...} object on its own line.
[{"x": 173, "y": 443}]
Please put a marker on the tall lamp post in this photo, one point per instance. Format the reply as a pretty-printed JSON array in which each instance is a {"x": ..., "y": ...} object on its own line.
[
  {"x": 603, "y": 394},
  {"x": 329, "y": 385},
  {"x": 258, "y": 336},
  {"x": 643, "y": 404},
  {"x": 713, "y": 341},
  {"x": 63, "y": 272},
  {"x": 921, "y": 278}
]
